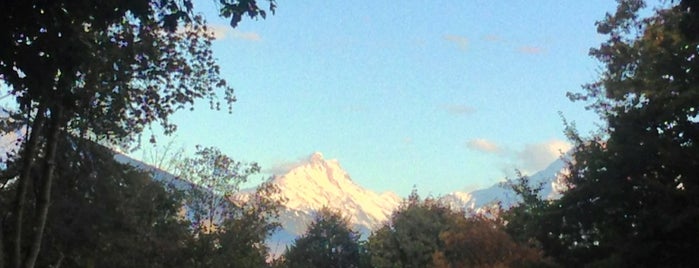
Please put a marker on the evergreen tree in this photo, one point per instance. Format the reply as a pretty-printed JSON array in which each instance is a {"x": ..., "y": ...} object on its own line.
[
  {"x": 634, "y": 189},
  {"x": 328, "y": 242}
]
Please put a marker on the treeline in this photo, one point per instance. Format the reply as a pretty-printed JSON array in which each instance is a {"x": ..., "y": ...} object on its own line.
[
  {"x": 421, "y": 233},
  {"x": 109, "y": 214}
]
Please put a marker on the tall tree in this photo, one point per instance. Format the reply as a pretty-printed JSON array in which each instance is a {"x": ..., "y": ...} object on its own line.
[
  {"x": 213, "y": 179},
  {"x": 103, "y": 70},
  {"x": 412, "y": 236},
  {"x": 239, "y": 239},
  {"x": 634, "y": 189},
  {"x": 328, "y": 242},
  {"x": 242, "y": 237},
  {"x": 228, "y": 229},
  {"x": 107, "y": 214},
  {"x": 525, "y": 221}
]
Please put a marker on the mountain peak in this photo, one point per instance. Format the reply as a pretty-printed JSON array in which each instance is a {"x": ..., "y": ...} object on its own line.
[
  {"x": 316, "y": 182},
  {"x": 315, "y": 157},
  {"x": 316, "y": 170}
]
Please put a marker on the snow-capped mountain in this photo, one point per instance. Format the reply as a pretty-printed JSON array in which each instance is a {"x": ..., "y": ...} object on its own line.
[
  {"x": 550, "y": 178},
  {"x": 316, "y": 183},
  {"x": 322, "y": 183}
]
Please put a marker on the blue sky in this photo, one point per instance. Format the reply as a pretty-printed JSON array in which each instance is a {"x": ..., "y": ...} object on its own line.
[{"x": 444, "y": 96}]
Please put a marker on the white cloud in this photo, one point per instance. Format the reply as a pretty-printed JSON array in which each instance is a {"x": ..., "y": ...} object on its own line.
[
  {"x": 535, "y": 157},
  {"x": 460, "y": 41},
  {"x": 223, "y": 31},
  {"x": 282, "y": 168},
  {"x": 532, "y": 158},
  {"x": 249, "y": 36},
  {"x": 483, "y": 145},
  {"x": 220, "y": 31}
]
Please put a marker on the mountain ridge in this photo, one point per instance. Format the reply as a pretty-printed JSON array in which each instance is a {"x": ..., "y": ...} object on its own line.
[
  {"x": 550, "y": 179},
  {"x": 318, "y": 182}
]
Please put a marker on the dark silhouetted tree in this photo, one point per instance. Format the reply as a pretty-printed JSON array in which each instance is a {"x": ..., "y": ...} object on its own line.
[
  {"x": 328, "y": 242},
  {"x": 634, "y": 188},
  {"x": 102, "y": 70},
  {"x": 108, "y": 214}
]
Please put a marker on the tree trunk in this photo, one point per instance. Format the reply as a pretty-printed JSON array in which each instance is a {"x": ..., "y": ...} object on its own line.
[
  {"x": 2, "y": 241},
  {"x": 22, "y": 185},
  {"x": 44, "y": 198}
]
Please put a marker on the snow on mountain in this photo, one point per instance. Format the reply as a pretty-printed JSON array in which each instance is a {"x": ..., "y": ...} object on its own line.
[
  {"x": 319, "y": 182},
  {"x": 456, "y": 200},
  {"x": 550, "y": 178},
  {"x": 323, "y": 183}
]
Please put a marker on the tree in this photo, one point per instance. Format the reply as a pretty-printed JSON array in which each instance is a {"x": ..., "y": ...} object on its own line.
[
  {"x": 228, "y": 229},
  {"x": 107, "y": 214},
  {"x": 328, "y": 242},
  {"x": 100, "y": 70},
  {"x": 427, "y": 233},
  {"x": 525, "y": 221},
  {"x": 213, "y": 178},
  {"x": 239, "y": 240},
  {"x": 478, "y": 241},
  {"x": 243, "y": 236},
  {"x": 690, "y": 19},
  {"x": 412, "y": 236},
  {"x": 634, "y": 189}
]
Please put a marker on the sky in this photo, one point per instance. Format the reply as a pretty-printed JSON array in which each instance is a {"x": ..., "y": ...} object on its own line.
[{"x": 442, "y": 96}]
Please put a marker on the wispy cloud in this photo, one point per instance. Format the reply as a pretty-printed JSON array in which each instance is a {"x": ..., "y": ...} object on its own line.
[
  {"x": 532, "y": 158},
  {"x": 459, "y": 109},
  {"x": 483, "y": 145},
  {"x": 249, "y": 36},
  {"x": 460, "y": 41},
  {"x": 224, "y": 31},
  {"x": 530, "y": 50},
  {"x": 537, "y": 156},
  {"x": 220, "y": 31},
  {"x": 281, "y": 168}
]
